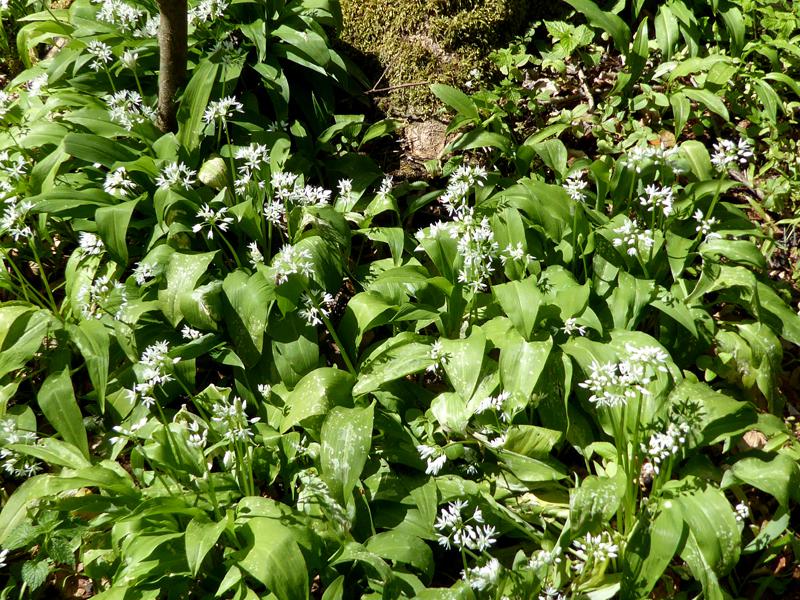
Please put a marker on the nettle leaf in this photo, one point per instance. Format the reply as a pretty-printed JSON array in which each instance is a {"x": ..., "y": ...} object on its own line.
[
  {"x": 34, "y": 572},
  {"x": 346, "y": 438},
  {"x": 201, "y": 536},
  {"x": 182, "y": 274},
  {"x": 314, "y": 396},
  {"x": 778, "y": 476}
]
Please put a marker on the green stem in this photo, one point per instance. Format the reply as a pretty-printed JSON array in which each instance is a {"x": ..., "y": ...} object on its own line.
[
  {"x": 43, "y": 277},
  {"x": 232, "y": 174},
  {"x": 230, "y": 248},
  {"x": 338, "y": 343}
]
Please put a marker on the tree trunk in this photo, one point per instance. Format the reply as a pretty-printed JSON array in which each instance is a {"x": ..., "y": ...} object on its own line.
[{"x": 172, "y": 47}]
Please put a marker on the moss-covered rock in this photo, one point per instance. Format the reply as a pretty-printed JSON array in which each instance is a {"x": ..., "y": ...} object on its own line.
[{"x": 429, "y": 41}]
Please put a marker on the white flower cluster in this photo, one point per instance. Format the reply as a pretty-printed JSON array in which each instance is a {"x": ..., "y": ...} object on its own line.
[
  {"x": 438, "y": 356},
  {"x": 101, "y": 53},
  {"x": 593, "y": 550},
  {"x": 13, "y": 168},
  {"x": 434, "y": 457},
  {"x": 291, "y": 260},
  {"x": 14, "y": 216},
  {"x": 315, "y": 307},
  {"x": 213, "y": 219},
  {"x": 551, "y": 593},
  {"x": 545, "y": 558},
  {"x": 125, "y": 432},
  {"x": 157, "y": 367},
  {"x": 144, "y": 272},
  {"x": 657, "y": 198},
  {"x": 221, "y": 110},
  {"x": 190, "y": 333},
  {"x": 742, "y": 512},
  {"x": 117, "y": 183},
  {"x": 571, "y": 327},
  {"x": 254, "y": 157},
  {"x": 576, "y": 186},
  {"x": 102, "y": 296},
  {"x": 705, "y": 227},
  {"x": 254, "y": 254},
  {"x": 36, "y": 85},
  {"x": 231, "y": 420},
  {"x": 3, "y": 553},
  {"x": 613, "y": 384},
  {"x": 728, "y": 154},
  {"x": 5, "y": 103},
  {"x": 631, "y": 238},
  {"x": 470, "y": 532},
  {"x": 483, "y": 577},
  {"x": 286, "y": 189},
  {"x": 664, "y": 444},
  {"x": 129, "y": 19},
  {"x": 208, "y": 10},
  {"x": 637, "y": 156},
  {"x": 127, "y": 108},
  {"x": 496, "y": 404},
  {"x": 15, "y": 463},
  {"x": 461, "y": 181},
  {"x": 176, "y": 174},
  {"x": 90, "y": 244}
]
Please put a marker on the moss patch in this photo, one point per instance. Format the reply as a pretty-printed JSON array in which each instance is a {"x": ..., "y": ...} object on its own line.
[{"x": 429, "y": 41}]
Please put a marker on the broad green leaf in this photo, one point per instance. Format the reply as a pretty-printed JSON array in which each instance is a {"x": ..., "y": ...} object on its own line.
[
  {"x": 654, "y": 542},
  {"x": 21, "y": 333},
  {"x": 521, "y": 365},
  {"x": 451, "y": 412},
  {"x": 194, "y": 102},
  {"x": 699, "y": 160},
  {"x": 403, "y": 548},
  {"x": 201, "y": 536},
  {"x": 667, "y": 32},
  {"x": 274, "y": 559},
  {"x": 95, "y": 149},
  {"x": 294, "y": 347},
  {"x": 554, "y": 154},
  {"x": 456, "y": 99},
  {"x": 316, "y": 393},
  {"x": 54, "y": 452},
  {"x": 593, "y": 503},
  {"x": 57, "y": 401},
  {"x": 708, "y": 99},
  {"x": 92, "y": 340},
  {"x": 520, "y": 301},
  {"x": 249, "y": 297},
  {"x": 734, "y": 23},
  {"x": 400, "y": 356},
  {"x": 112, "y": 225},
  {"x": 681, "y": 109},
  {"x": 464, "y": 362},
  {"x": 778, "y": 476},
  {"x": 364, "y": 311},
  {"x": 719, "y": 416},
  {"x": 346, "y": 438},
  {"x": 605, "y": 20},
  {"x": 532, "y": 470},
  {"x": 532, "y": 441},
  {"x": 480, "y": 138},
  {"x": 182, "y": 274}
]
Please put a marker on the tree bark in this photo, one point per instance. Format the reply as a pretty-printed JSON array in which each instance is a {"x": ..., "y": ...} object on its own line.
[{"x": 173, "y": 48}]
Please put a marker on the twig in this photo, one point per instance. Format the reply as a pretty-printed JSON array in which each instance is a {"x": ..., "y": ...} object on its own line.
[
  {"x": 397, "y": 87},
  {"x": 374, "y": 87},
  {"x": 585, "y": 89}
]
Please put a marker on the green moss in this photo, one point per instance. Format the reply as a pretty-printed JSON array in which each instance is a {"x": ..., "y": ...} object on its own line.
[{"x": 433, "y": 41}]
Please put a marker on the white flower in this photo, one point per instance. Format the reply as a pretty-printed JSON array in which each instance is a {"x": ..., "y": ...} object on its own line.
[
  {"x": 129, "y": 59},
  {"x": 386, "y": 186},
  {"x": 117, "y": 183},
  {"x": 4, "y": 553},
  {"x": 663, "y": 445},
  {"x": 638, "y": 156},
  {"x": 232, "y": 421},
  {"x": 36, "y": 84},
  {"x": 593, "y": 550},
  {"x": 264, "y": 389},
  {"x": 157, "y": 364},
  {"x": 143, "y": 272},
  {"x": 102, "y": 296},
  {"x": 742, "y": 512},
  {"x": 345, "y": 187},
  {"x": 434, "y": 456},
  {"x": 575, "y": 186},
  {"x": 454, "y": 529},
  {"x": 127, "y": 108},
  {"x": 438, "y": 356},
  {"x": 315, "y": 307},
  {"x": 190, "y": 334},
  {"x": 728, "y": 154},
  {"x": 275, "y": 212},
  {"x": 13, "y": 219},
  {"x": 90, "y": 244},
  {"x": 121, "y": 14},
  {"x": 254, "y": 156},
  {"x": 291, "y": 260},
  {"x": 571, "y": 326},
  {"x": 256, "y": 258},
  {"x": 176, "y": 174},
  {"x": 614, "y": 384},
  {"x": 221, "y": 110},
  {"x": 483, "y": 577},
  {"x": 101, "y": 53},
  {"x": 656, "y": 197},
  {"x": 208, "y": 10},
  {"x": 705, "y": 226},
  {"x": 212, "y": 219},
  {"x": 631, "y": 238},
  {"x": 16, "y": 464}
]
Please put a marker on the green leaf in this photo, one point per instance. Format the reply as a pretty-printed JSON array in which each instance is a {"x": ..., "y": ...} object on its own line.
[
  {"x": 520, "y": 301},
  {"x": 316, "y": 393},
  {"x": 480, "y": 138},
  {"x": 450, "y": 411},
  {"x": 711, "y": 101},
  {"x": 521, "y": 365},
  {"x": 377, "y": 130},
  {"x": 54, "y": 452},
  {"x": 681, "y": 109},
  {"x": 56, "y": 399},
  {"x": 456, "y": 99},
  {"x": 734, "y": 23},
  {"x": 593, "y": 503},
  {"x": 364, "y": 311},
  {"x": 34, "y": 573},
  {"x": 346, "y": 438},
  {"x": 182, "y": 274},
  {"x": 719, "y": 416},
  {"x": 194, "y": 102},
  {"x": 249, "y": 297},
  {"x": 699, "y": 160},
  {"x": 396, "y": 358},
  {"x": 96, "y": 149},
  {"x": 21, "y": 333},
  {"x": 464, "y": 361},
  {"x": 554, "y": 154},
  {"x": 778, "y": 476},
  {"x": 532, "y": 441},
  {"x": 274, "y": 559},
  {"x": 649, "y": 551},
  {"x": 667, "y": 32},
  {"x": 93, "y": 341},
  {"x": 403, "y": 548},
  {"x": 112, "y": 225},
  {"x": 201, "y": 536},
  {"x": 605, "y": 20}
]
